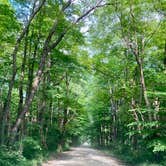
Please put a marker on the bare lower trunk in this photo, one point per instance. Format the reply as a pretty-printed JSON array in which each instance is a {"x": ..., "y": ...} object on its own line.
[
  {"x": 136, "y": 118},
  {"x": 5, "y": 113},
  {"x": 41, "y": 121},
  {"x": 143, "y": 86},
  {"x": 20, "y": 105},
  {"x": 113, "y": 105},
  {"x": 31, "y": 65}
]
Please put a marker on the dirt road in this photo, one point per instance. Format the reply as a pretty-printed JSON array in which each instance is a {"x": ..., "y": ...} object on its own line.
[{"x": 83, "y": 156}]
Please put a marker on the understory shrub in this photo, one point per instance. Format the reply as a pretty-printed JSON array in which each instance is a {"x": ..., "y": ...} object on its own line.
[
  {"x": 31, "y": 148},
  {"x": 11, "y": 158},
  {"x": 53, "y": 138}
]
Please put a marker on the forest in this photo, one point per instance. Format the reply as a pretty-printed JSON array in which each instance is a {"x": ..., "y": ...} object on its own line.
[{"x": 82, "y": 71}]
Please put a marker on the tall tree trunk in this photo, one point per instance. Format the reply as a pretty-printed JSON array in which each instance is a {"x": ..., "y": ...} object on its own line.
[
  {"x": 21, "y": 95},
  {"x": 14, "y": 71},
  {"x": 22, "y": 75},
  {"x": 65, "y": 114},
  {"x": 47, "y": 48},
  {"x": 136, "y": 118},
  {"x": 143, "y": 86},
  {"x": 138, "y": 49},
  {"x": 31, "y": 65},
  {"x": 41, "y": 113},
  {"x": 113, "y": 105}
]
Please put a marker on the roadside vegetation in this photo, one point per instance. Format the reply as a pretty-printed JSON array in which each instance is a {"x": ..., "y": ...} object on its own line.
[{"x": 82, "y": 71}]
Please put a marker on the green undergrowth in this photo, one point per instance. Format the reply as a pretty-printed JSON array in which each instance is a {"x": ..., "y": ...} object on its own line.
[
  {"x": 28, "y": 152},
  {"x": 9, "y": 157},
  {"x": 131, "y": 157}
]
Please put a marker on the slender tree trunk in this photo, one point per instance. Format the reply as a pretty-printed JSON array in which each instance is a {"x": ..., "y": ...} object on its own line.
[
  {"x": 45, "y": 83},
  {"x": 14, "y": 71},
  {"x": 21, "y": 97},
  {"x": 22, "y": 76},
  {"x": 114, "y": 116},
  {"x": 136, "y": 118},
  {"x": 65, "y": 114},
  {"x": 132, "y": 44},
  {"x": 31, "y": 65},
  {"x": 47, "y": 48},
  {"x": 143, "y": 86},
  {"x": 41, "y": 113},
  {"x": 139, "y": 49}
]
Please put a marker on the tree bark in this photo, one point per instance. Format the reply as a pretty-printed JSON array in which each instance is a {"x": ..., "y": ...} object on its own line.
[
  {"x": 46, "y": 50},
  {"x": 22, "y": 75},
  {"x": 14, "y": 70},
  {"x": 143, "y": 86},
  {"x": 113, "y": 105}
]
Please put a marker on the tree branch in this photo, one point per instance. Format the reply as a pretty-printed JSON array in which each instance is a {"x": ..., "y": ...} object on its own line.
[{"x": 54, "y": 44}]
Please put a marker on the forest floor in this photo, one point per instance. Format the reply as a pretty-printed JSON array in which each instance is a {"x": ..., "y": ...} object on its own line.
[{"x": 83, "y": 156}]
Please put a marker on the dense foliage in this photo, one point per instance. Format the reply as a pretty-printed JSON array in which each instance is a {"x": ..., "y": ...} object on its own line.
[
  {"x": 82, "y": 71},
  {"x": 127, "y": 98}
]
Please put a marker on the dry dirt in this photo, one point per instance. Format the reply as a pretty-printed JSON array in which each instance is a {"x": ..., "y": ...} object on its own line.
[{"x": 83, "y": 156}]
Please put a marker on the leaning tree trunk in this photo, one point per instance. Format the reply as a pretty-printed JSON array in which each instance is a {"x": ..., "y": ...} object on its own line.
[
  {"x": 47, "y": 48},
  {"x": 7, "y": 102}
]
